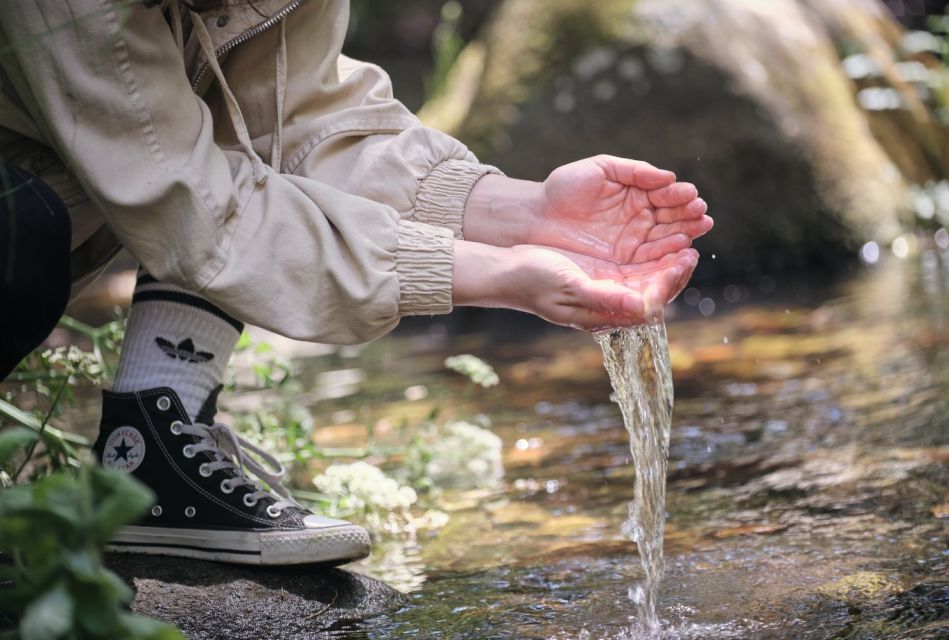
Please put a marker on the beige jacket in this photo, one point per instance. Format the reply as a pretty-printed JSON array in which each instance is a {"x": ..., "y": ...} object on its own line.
[{"x": 277, "y": 177}]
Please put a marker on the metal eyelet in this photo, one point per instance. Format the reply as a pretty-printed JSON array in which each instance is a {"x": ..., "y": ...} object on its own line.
[
  {"x": 188, "y": 451},
  {"x": 205, "y": 471},
  {"x": 156, "y": 510},
  {"x": 190, "y": 511},
  {"x": 248, "y": 501},
  {"x": 274, "y": 513},
  {"x": 222, "y": 20},
  {"x": 176, "y": 427},
  {"x": 226, "y": 487},
  {"x": 163, "y": 403}
]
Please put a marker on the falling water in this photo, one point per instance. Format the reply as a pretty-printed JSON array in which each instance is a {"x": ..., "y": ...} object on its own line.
[{"x": 637, "y": 361}]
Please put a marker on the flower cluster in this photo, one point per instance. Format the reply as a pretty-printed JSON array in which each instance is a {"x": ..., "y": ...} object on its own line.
[
  {"x": 361, "y": 488},
  {"x": 474, "y": 368},
  {"x": 464, "y": 454}
]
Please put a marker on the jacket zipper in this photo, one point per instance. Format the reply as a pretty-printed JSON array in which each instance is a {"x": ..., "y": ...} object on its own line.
[
  {"x": 97, "y": 267},
  {"x": 244, "y": 37}
]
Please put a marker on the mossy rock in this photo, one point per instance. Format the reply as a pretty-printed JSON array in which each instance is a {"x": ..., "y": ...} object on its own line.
[
  {"x": 746, "y": 99},
  {"x": 209, "y": 600}
]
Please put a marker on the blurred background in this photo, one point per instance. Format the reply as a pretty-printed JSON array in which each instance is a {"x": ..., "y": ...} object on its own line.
[{"x": 808, "y": 485}]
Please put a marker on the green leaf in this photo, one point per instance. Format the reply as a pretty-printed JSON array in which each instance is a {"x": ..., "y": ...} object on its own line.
[
  {"x": 142, "y": 628},
  {"x": 13, "y": 440},
  {"x": 48, "y": 617},
  {"x": 120, "y": 499}
]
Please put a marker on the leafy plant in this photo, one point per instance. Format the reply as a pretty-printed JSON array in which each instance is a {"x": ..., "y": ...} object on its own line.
[{"x": 52, "y": 533}]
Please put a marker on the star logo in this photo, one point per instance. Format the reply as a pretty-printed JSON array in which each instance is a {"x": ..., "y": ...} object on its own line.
[{"x": 124, "y": 450}]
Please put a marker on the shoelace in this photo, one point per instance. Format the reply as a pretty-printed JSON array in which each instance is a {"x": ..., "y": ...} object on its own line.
[{"x": 226, "y": 447}]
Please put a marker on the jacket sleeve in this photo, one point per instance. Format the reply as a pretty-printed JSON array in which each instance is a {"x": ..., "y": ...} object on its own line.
[
  {"x": 106, "y": 86},
  {"x": 342, "y": 125},
  {"x": 424, "y": 174}
]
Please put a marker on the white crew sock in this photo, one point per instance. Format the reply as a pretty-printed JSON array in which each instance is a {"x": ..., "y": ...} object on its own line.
[{"x": 177, "y": 339}]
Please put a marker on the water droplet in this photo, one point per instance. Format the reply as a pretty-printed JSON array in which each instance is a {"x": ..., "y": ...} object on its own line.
[
  {"x": 725, "y": 340},
  {"x": 692, "y": 296},
  {"x": 714, "y": 256}
]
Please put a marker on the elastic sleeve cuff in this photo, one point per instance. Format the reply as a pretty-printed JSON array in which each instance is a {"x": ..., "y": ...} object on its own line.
[
  {"x": 442, "y": 194},
  {"x": 423, "y": 261}
]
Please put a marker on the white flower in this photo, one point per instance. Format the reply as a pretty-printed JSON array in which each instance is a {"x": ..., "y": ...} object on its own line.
[
  {"x": 476, "y": 369},
  {"x": 467, "y": 455}
]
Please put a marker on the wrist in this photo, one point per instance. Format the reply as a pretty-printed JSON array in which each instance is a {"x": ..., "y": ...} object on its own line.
[
  {"x": 502, "y": 211},
  {"x": 484, "y": 275}
]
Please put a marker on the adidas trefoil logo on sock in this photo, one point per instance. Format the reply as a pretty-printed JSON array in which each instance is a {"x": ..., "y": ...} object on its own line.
[{"x": 184, "y": 351}]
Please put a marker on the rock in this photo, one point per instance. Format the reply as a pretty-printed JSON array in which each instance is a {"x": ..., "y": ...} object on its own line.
[
  {"x": 747, "y": 99},
  {"x": 209, "y": 600}
]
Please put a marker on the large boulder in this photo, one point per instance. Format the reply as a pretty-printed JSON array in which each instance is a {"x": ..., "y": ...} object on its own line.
[{"x": 747, "y": 99}]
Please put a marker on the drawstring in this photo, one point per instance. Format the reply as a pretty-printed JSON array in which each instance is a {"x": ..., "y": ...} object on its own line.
[
  {"x": 233, "y": 109},
  {"x": 276, "y": 149},
  {"x": 176, "y": 26}
]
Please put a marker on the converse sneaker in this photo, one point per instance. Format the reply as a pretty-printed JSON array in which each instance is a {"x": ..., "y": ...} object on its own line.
[{"x": 207, "y": 505}]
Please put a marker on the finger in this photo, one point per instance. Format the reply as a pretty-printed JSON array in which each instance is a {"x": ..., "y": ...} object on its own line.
[
  {"x": 673, "y": 195},
  {"x": 635, "y": 173},
  {"x": 688, "y": 262},
  {"x": 655, "y": 249},
  {"x": 595, "y": 300},
  {"x": 688, "y": 211},
  {"x": 692, "y": 228}
]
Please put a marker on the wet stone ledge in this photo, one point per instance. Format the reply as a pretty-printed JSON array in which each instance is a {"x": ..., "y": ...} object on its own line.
[{"x": 209, "y": 600}]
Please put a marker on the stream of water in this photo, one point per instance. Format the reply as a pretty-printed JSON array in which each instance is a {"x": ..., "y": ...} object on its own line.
[{"x": 637, "y": 361}]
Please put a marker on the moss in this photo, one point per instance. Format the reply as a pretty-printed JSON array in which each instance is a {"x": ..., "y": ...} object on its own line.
[{"x": 526, "y": 45}]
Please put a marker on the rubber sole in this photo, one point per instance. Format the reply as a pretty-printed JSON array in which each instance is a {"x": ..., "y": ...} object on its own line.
[{"x": 336, "y": 545}]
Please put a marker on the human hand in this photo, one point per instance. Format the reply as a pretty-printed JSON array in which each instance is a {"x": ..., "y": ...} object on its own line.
[
  {"x": 566, "y": 288},
  {"x": 625, "y": 211},
  {"x": 621, "y": 210}
]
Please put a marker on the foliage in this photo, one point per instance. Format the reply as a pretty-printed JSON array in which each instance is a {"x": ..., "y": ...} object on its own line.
[
  {"x": 54, "y": 374},
  {"x": 53, "y": 530},
  {"x": 52, "y": 533},
  {"x": 447, "y": 43}
]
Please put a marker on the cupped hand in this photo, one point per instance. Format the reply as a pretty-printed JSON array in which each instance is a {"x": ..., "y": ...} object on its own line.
[
  {"x": 592, "y": 293},
  {"x": 625, "y": 211}
]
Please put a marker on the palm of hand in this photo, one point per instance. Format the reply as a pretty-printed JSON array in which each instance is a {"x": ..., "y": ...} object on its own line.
[
  {"x": 620, "y": 210},
  {"x": 594, "y": 293}
]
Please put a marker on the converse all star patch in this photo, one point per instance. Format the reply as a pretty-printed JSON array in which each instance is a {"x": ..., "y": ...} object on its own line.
[{"x": 124, "y": 450}]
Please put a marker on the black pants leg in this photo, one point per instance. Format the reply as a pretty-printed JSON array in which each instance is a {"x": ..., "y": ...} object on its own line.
[{"x": 34, "y": 263}]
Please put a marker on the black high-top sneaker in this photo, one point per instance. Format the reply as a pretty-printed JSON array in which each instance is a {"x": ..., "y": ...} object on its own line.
[{"x": 207, "y": 506}]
